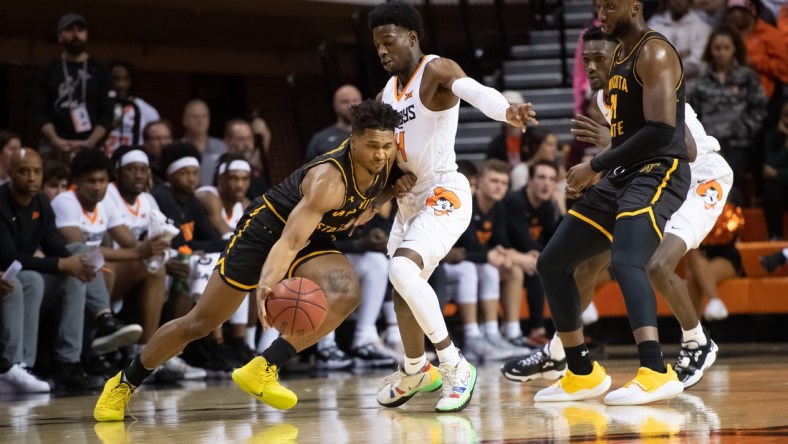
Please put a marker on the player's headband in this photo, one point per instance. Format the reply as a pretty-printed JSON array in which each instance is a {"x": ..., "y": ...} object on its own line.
[
  {"x": 235, "y": 165},
  {"x": 183, "y": 162}
]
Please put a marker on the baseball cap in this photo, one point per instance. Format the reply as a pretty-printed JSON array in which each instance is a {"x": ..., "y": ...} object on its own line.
[
  {"x": 69, "y": 19},
  {"x": 513, "y": 97}
]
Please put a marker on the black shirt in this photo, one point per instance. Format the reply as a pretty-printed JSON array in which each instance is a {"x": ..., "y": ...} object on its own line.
[
  {"x": 191, "y": 218},
  {"x": 24, "y": 229},
  {"x": 54, "y": 103},
  {"x": 486, "y": 231},
  {"x": 324, "y": 141},
  {"x": 529, "y": 228},
  {"x": 285, "y": 196},
  {"x": 626, "y": 98}
]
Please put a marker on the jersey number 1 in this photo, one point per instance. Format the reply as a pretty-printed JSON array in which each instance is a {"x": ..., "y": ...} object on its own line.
[{"x": 399, "y": 139}]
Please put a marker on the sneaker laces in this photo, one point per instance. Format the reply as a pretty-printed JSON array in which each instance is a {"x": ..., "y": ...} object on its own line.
[
  {"x": 121, "y": 393},
  {"x": 686, "y": 356},
  {"x": 533, "y": 359},
  {"x": 395, "y": 378},
  {"x": 450, "y": 375}
]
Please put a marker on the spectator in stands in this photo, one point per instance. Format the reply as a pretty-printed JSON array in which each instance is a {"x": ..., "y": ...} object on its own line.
[
  {"x": 710, "y": 11},
  {"x": 531, "y": 221},
  {"x": 541, "y": 145},
  {"x": 181, "y": 164},
  {"x": 715, "y": 260},
  {"x": 767, "y": 50},
  {"x": 262, "y": 141},
  {"x": 239, "y": 138},
  {"x": 197, "y": 121},
  {"x": 156, "y": 135},
  {"x": 74, "y": 110},
  {"x": 729, "y": 99},
  {"x": 476, "y": 264},
  {"x": 130, "y": 114},
  {"x": 224, "y": 203},
  {"x": 331, "y": 136},
  {"x": 28, "y": 224},
  {"x": 9, "y": 145},
  {"x": 775, "y": 174},
  {"x": 140, "y": 284},
  {"x": 57, "y": 178},
  {"x": 686, "y": 31},
  {"x": 83, "y": 219},
  {"x": 580, "y": 86}
]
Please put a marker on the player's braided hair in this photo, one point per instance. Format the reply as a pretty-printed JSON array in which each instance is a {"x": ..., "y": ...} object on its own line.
[
  {"x": 371, "y": 114},
  {"x": 397, "y": 13}
]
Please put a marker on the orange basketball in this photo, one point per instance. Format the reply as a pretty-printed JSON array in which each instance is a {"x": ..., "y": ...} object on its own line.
[{"x": 296, "y": 307}]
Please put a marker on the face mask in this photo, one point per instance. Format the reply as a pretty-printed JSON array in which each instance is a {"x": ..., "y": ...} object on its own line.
[{"x": 74, "y": 47}]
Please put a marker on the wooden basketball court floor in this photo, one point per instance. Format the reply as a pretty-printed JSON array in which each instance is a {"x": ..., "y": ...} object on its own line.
[{"x": 741, "y": 399}]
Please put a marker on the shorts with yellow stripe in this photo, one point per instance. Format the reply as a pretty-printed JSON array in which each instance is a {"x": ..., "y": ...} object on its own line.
[
  {"x": 653, "y": 189},
  {"x": 260, "y": 227}
]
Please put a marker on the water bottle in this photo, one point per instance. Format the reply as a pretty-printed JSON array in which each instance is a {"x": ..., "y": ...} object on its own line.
[{"x": 184, "y": 254}]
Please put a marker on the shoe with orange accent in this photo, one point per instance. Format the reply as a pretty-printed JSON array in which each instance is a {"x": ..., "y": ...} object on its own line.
[
  {"x": 400, "y": 386},
  {"x": 648, "y": 386},
  {"x": 574, "y": 387}
]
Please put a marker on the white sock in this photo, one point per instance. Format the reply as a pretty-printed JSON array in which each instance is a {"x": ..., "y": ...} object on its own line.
[
  {"x": 491, "y": 329},
  {"x": 512, "y": 330},
  {"x": 414, "y": 365},
  {"x": 449, "y": 355},
  {"x": 695, "y": 334},
  {"x": 472, "y": 330},
  {"x": 785, "y": 253},
  {"x": 328, "y": 341},
  {"x": 393, "y": 334},
  {"x": 556, "y": 348},
  {"x": 365, "y": 334},
  {"x": 251, "y": 332},
  {"x": 389, "y": 314},
  {"x": 266, "y": 339}
]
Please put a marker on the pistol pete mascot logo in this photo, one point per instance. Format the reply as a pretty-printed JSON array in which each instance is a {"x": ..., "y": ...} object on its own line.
[
  {"x": 443, "y": 202},
  {"x": 711, "y": 193}
]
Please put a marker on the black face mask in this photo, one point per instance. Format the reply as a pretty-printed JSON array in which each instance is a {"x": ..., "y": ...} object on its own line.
[{"x": 75, "y": 47}]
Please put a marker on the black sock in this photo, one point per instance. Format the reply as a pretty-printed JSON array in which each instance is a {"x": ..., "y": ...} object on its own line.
[
  {"x": 136, "y": 373},
  {"x": 279, "y": 352},
  {"x": 578, "y": 361},
  {"x": 651, "y": 356}
]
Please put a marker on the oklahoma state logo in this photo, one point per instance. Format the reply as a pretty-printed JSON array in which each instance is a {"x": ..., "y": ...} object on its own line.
[
  {"x": 443, "y": 202},
  {"x": 710, "y": 192}
]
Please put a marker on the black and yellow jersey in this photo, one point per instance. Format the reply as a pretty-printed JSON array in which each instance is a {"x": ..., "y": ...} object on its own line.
[
  {"x": 283, "y": 197},
  {"x": 625, "y": 92}
]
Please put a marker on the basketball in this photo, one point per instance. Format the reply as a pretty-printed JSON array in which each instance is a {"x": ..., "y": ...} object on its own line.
[{"x": 296, "y": 307}]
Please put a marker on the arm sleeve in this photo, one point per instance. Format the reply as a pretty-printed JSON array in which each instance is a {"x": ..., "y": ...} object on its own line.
[
  {"x": 67, "y": 211},
  {"x": 640, "y": 146},
  {"x": 489, "y": 101}
]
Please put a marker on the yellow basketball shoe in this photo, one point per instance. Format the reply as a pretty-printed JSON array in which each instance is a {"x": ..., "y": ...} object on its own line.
[
  {"x": 648, "y": 386},
  {"x": 111, "y": 405},
  {"x": 259, "y": 379},
  {"x": 574, "y": 387}
]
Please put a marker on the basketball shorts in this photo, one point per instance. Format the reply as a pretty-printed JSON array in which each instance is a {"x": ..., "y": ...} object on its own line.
[
  {"x": 655, "y": 189},
  {"x": 257, "y": 231},
  {"x": 711, "y": 181},
  {"x": 431, "y": 218}
]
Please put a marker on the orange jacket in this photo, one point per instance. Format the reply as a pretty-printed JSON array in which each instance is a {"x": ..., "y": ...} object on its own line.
[{"x": 768, "y": 53}]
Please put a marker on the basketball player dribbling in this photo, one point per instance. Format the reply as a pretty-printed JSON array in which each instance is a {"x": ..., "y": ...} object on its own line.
[
  {"x": 289, "y": 231},
  {"x": 712, "y": 179},
  {"x": 646, "y": 182},
  {"x": 426, "y": 90}
]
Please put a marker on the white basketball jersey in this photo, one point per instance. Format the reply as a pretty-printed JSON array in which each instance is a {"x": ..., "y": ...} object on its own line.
[
  {"x": 137, "y": 216},
  {"x": 94, "y": 225},
  {"x": 425, "y": 141},
  {"x": 705, "y": 144},
  {"x": 238, "y": 209}
]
